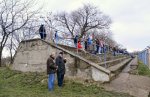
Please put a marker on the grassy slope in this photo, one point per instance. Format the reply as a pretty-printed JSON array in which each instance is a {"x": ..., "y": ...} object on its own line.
[
  {"x": 143, "y": 69},
  {"x": 17, "y": 84}
]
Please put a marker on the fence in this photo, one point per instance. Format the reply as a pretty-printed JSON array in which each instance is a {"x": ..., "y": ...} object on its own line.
[{"x": 144, "y": 56}]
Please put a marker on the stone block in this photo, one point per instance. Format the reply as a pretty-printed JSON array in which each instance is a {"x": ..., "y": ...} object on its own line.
[{"x": 98, "y": 75}]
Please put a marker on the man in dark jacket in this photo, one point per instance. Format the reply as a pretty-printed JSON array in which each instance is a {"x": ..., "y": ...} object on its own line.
[
  {"x": 114, "y": 51},
  {"x": 76, "y": 40},
  {"x": 51, "y": 70},
  {"x": 42, "y": 32},
  {"x": 61, "y": 68}
]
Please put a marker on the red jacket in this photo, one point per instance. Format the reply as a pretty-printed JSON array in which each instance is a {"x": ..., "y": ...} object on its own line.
[{"x": 79, "y": 45}]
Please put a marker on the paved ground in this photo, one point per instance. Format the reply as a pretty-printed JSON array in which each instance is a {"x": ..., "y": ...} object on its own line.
[{"x": 138, "y": 86}]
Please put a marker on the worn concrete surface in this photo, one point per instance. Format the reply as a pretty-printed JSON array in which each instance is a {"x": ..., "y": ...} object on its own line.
[{"x": 138, "y": 86}]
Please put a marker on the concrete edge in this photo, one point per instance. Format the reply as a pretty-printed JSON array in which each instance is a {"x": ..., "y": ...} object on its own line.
[
  {"x": 121, "y": 64},
  {"x": 111, "y": 61}
]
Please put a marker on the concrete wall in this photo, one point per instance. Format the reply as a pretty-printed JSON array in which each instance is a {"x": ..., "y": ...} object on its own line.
[{"x": 32, "y": 55}]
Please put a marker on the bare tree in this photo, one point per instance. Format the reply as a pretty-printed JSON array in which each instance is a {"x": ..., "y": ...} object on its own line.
[
  {"x": 83, "y": 20},
  {"x": 29, "y": 31},
  {"x": 90, "y": 17},
  {"x": 14, "y": 15},
  {"x": 66, "y": 21},
  {"x": 51, "y": 24},
  {"x": 105, "y": 35}
]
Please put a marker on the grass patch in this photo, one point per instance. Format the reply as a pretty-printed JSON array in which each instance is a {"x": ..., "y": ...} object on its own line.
[
  {"x": 143, "y": 69},
  {"x": 17, "y": 84}
]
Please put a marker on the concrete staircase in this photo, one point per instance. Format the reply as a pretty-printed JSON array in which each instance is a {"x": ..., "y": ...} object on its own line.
[
  {"x": 116, "y": 69},
  {"x": 114, "y": 64},
  {"x": 92, "y": 57},
  {"x": 32, "y": 54}
]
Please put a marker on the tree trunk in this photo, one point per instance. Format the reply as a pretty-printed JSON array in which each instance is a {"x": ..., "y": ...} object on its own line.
[
  {"x": 0, "y": 58},
  {"x": 11, "y": 57},
  {"x": 1, "y": 50}
]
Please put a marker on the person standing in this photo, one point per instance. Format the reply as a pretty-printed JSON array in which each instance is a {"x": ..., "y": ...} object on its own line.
[
  {"x": 76, "y": 40},
  {"x": 101, "y": 46},
  {"x": 85, "y": 44},
  {"x": 79, "y": 46},
  {"x": 61, "y": 69},
  {"x": 89, "y": 42},
  {"x": 56, "y": 37},
  {"x": 114, "y": 51},
  {"x": 42, "y": 32},
  {"x": 51, "y": 70},
  {"x": 97, "y": 46}
]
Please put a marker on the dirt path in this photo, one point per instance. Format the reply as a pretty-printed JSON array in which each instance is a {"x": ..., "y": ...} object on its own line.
[{"x": 138, "y": 86}]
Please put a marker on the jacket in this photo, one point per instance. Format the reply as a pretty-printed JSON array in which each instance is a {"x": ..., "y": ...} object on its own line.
[
  {"x": 51, "y": 67},
  {"x": 42, "y": 29},
  {"x": 61, "y": 65},
  {"x": 79, "y": 45}
]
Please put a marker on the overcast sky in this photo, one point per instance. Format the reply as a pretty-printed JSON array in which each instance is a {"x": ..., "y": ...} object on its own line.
[{"x": 131, "y": 18}]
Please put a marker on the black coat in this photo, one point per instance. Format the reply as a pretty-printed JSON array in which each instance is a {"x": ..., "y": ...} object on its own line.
[
  {"x": 51, "y": 67},
  {"x": 61, "y": 65},
  {"x": 42, "y": 29}
]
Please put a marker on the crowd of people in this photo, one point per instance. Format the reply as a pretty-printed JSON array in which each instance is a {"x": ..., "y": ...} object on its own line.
[
  {"x": 96, "y": 46},
  {"x": 87, "y": 43}
]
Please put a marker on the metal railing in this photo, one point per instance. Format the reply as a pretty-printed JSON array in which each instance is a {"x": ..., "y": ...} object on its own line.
[{"x": 144, "y": 56}]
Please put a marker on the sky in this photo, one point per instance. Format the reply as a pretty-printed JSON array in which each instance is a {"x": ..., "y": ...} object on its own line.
[{"x": 131, "y": 18}]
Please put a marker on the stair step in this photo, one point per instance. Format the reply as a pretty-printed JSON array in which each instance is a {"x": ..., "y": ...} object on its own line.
[
  {"x": 117, "y": 67},
  {"x": 92, "y": 57},
  {"x": 112, "y": 76}
]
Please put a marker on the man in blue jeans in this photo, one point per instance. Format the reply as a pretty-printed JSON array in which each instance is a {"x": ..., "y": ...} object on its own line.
[
  {"x": 60, "y": 62},
  {"x": 51, "y": 70}
]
